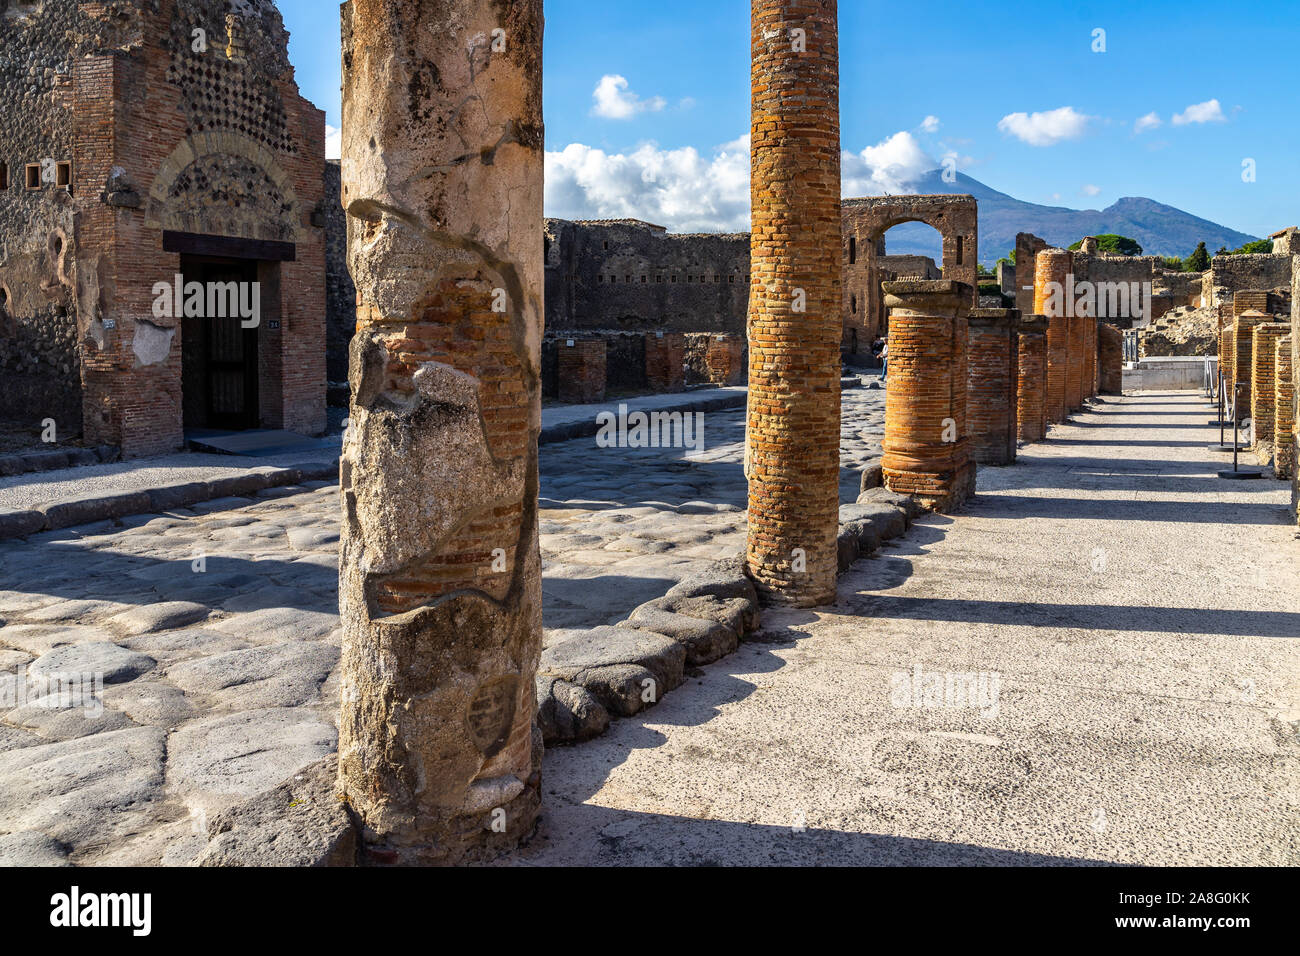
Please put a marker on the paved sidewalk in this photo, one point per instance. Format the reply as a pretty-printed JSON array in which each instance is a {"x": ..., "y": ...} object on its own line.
[{"x": 1138, "y": 618}]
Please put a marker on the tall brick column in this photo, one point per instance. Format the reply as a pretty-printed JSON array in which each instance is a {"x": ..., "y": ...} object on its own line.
[
  {"x": 1052, "y": 269},
  {"x": 1090, "y": 359},
  {"x": 992, "y": 385},
  {"x": 1227, "y": 361},
  {"x": 1243, "y": 357},
  {"x": 1263, "y": 379},
  {"x": 792, "y": 453},
  {"x": 1031, "y": 372},
  {"x": 439, "y": 574},
  {"x": 1284, "y": 446},
  {"x": 1110, "y": 359},
  {"x": 927, "y": 448},
  {"x": 1076, "y": 348}
]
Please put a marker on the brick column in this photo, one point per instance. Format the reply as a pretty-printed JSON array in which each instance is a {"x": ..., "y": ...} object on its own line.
[
  {"x": 792, "y": 451},
  {"x": 1227, "y": 362},
  {"x": 927, "y": 449},
  {"x": 582, "y": 370},
  {"x": 1051, "y": 272},
  {"x": 665, "y": 361},
  {"x": 1031, "y": 391},
  {"x": 1243, "y": 353},
  {"x": 1263, "y": 379},
  {"x": 1110, "y": 359},
  {"x": 992, "y": 385},
  {"x": 725, "y": 359},
  {"x": 1076, "y": 348},
  {"x": 1284, "y": 444},
  {"x": 440, "y": 576},
  {"x": 1090, "y": 359}
]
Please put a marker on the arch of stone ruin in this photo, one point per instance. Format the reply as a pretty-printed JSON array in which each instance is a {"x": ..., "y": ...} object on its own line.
[{"x": 865, "y": 222}]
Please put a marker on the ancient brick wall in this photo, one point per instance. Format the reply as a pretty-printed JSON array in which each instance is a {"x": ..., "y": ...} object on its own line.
[
  {"x": 1243, "y": 334},
  {"x": 724, "y": 359},
  {"x": 1230, "y": 274},
  {"x": 1295, "y": 371},
  {"x": 1110, "y": 359},
  {"x": 1031, "y": 373},
  {"x": 39, "y": 363},
  {"x": 1284, "y": 444},
  {"x": 340, "y": 291},
  {"x": 581, "y": 371},
  {"x": 1028, "y": 246},
  {"x": 665, "y": 361},
  {"x": 1053, "y": 266}
]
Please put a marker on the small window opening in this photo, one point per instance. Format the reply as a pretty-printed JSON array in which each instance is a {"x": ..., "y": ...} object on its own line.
[
  {"x": 33, "y": 176},
  {"x": 63, "y": 175},
  {"x": 853, "y": 250},
  {"x": 4, "y": 175}
]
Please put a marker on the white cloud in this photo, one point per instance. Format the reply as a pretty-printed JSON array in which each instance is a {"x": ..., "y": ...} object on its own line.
[
  {"x": 1045, "y": 129},
  {"x": 614, "y": 100},
  {"x": 1091, "y": 190},
  {"x": 890, "y": 166},
  {"x": 1150, "y": 121},
  {"x": 930, "y": 124},
  {"x": 676, "y": 188},
  {"x": 1208, "y": 112},
  {"x": 333, "y": 142}
]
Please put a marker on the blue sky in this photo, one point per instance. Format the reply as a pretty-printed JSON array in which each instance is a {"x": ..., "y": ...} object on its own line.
[{"x": 1018, "y": 99}]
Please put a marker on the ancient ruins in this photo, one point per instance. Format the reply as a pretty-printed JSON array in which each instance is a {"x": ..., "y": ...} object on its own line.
[{"x": 504, "y": 593}]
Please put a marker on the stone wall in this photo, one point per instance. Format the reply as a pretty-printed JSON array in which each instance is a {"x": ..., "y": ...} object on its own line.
[
  {"x": 340, "y": 292},
  {"x": 39, "y": 364},
  {"x": 1229, "y": 274}
]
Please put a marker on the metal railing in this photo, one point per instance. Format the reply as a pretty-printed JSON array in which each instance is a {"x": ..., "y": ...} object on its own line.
[{"x": 1130, "y": 346}]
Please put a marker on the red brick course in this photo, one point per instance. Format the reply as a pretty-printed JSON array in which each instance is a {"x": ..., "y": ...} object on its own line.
[
  {"x": 992, "y": 385},
  {"x": 725, "y": 359},
  {"x": 582, "y": 371},
  {"x": 1053, "y": 266},
  {"x": 1031, "y": 397},
  {"x": 665, "y": 361}
]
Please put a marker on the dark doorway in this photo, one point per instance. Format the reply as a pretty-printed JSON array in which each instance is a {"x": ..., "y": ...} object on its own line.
[{"x": 220, "y": 358}]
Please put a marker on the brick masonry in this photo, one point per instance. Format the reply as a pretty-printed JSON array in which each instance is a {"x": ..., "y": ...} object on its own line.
[
  {"x": 1031, "y": 372},
  {"x": 992, "y": 385},
  {"x": 1243, "y": 332},
  {"x": 1053, "y": 266},
  {"x": 795, "y": 324},
  {"x": 665, "y": 361},
  {"x": 725, "y": 359},
  {"x": 1110, "y": 359},
  {"x": 1284, "y": 450},
  {"x": 582, "y": 371},
  {"x": 927, "y": 448},
  {"x": 1263, "y": 380}
]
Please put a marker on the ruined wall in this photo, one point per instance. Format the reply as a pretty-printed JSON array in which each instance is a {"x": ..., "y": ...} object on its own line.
[
  {"x": 1230, "y": 274},
  {"x": 340, "y": 291},
  {"x": 39, "y": 364},
  {"x": 1028, "y": 246},
  {"x": 631, "y": 275}
]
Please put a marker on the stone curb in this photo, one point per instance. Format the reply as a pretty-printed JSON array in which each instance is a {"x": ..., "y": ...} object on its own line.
[
  {"x": 69, "y": 514},
  {"x": 585, "y": 429},
  {"x": 53, "y": 459}
]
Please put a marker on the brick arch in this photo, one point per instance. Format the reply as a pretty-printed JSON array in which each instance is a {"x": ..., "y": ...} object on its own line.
[
  {"x": 865, "y": 222},
  {"x": 278, "y": 214}
]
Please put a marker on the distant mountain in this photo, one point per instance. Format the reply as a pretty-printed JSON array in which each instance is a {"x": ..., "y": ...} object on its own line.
[{"x": 1161, "y": 230}]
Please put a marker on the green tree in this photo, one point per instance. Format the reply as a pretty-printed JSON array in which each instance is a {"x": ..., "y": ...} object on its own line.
[
  {"x": 1264, "y": 246},
  {"x": 1199, "y": 260},
  {"x": 1115, "y": 245}
]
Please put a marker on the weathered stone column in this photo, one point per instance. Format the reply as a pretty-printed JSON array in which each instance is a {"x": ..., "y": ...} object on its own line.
[
  {"x": 440, "y": 578},
  {"x": 992, "y": 385},
  {"x": 792, "y": 451},
  {"x": 1031, "y": 392},
  {"x": 927, "y": 448},
  {"x": 1051, "y": 272},
  {"x": 1263, "y": 379}
]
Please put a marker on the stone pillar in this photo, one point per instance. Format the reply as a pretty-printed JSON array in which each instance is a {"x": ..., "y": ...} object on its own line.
[
  {"x": 439, "y": 572},
  {"x": 927, "y": 448},
  {"x": 1076, "y": 348},
  {"x": 1227, "y": 361},
  {"x": 792, "y": 455},
  {"x": 582, "y": 370},
  {"x": 992, "y": 385},
  {"x": 725, "y": 359},
  {"x": 1284, "y": 445},
  {"x": 1051, "y": 273},
  {"x": 1263, "y": 379},
  {"x": 1031, "y": 392},
  {"x": 665, "y": 361},
  {"x": 1090, "y": 359},
  {"x": 1110, "y": 359},
  {"x": 1243, "y": 333}
]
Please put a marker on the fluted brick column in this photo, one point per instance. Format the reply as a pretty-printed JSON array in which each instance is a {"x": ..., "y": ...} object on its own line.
[
  {"x": 1243, "y": 357},
  {"x": 927, "y": 448},
  {"x": 1110, "y": 359},
  {"x": 1031, "y": 372},
  {"x": 439, "y": 573},
  {"x": 795, "y": 326},
  {"x": 1284, "y": 444},
  {"x": 1263, "y": 379},
  {"x": 1051, "y": 272},
  {"x": 992, "y": 385}
]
